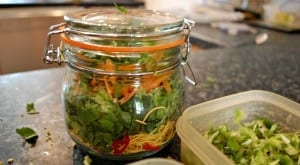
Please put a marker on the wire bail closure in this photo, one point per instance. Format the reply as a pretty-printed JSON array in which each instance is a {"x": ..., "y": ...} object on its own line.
[
  {"x": 188, "y": 25},
  {"x": 51, "y": 53}
]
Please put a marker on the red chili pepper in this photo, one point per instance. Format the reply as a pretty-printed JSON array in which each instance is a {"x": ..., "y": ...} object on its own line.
[
  {"x": 119, "y": 146},
  {"x": 150, "y": 147}
]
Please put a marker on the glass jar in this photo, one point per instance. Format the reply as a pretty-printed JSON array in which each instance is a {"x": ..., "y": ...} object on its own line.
[{"x": 123, "y": 88}]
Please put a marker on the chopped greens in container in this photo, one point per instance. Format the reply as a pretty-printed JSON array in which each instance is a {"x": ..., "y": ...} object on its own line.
[{"x": 259, "y": 142}]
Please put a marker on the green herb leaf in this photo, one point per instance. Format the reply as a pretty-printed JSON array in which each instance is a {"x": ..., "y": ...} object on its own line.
[
  {"x": 30, "y": 109},
  {"x": 122, "y": 9},
  {"x": 239, "y": 115},
  {"x": 27, "y": 134},
  {"x": 209, "y": 82},
  {"x": 233, "y": 145},
  {"x": 286, "y": 160}
]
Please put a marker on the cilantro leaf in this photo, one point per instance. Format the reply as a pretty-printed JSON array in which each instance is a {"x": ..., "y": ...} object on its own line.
[
  {"x": 30, "y": 109},
  {"x": 27, "y": 134},
  {"x": 122, "y": 9}
]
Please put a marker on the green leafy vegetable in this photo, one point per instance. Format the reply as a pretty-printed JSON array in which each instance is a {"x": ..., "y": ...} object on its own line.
[
  {"x": 27, "y": 134},
  {"x": 239, "y": 116},
  {"x": 30, "y": 109},
  {"x": 122, "y": 9},
  {"x": 258, "y": 142}
]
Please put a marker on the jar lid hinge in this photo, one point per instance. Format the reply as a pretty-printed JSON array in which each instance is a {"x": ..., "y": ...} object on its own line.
[
  {"x": 188, "y": 25},
  {"x": 51, "y": 52}
]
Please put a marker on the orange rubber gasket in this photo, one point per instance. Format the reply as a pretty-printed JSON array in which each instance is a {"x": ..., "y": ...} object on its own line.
[{"x": 65, "y": 39}]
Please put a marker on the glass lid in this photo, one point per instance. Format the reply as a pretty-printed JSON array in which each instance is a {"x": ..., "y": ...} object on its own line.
[{"x": 131, "y": 22}]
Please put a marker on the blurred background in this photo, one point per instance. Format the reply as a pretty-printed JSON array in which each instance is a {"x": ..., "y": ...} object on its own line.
[{"x": 24, "y": 23}]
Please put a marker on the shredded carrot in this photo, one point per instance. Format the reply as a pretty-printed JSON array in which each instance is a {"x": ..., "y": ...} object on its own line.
[
  {"x": 82, "y": 57},
  {"x": 147, "y": 78},
  {"x": 154, "y": 81},
  {"x": 113, "y": 80},
  {"x": 93, "y": 81},
  {"x": 108, "y": 87},
  {"x": 157, "y": 56},
  {"x": 167, "y": 86},
  {"x": 100, "y": 65},
  {"x": 129, "y": 67},
  {"x": 128, "y": 92},
  {"x": 109, "y": 66}
]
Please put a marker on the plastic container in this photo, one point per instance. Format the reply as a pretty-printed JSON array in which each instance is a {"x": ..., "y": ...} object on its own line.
[
  {"x": 196, "y": 149},
  {"x": 123, "y": 88}
]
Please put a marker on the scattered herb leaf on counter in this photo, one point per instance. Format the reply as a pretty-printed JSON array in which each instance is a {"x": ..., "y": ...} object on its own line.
[
  {"x": 30, "y": 109},
  {"x": 258, "y": 142},
  {"x": 27, "y": 134},
  {"x": 209, "y": 82}
]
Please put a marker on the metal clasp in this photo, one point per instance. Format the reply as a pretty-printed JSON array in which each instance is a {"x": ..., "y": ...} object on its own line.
[
  {"x": 188, "y": 25},
  {"x": 52, "y": 53}
]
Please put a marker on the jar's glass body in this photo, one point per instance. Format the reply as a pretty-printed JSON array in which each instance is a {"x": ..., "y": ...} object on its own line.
[{"x": 123, "y": 88}]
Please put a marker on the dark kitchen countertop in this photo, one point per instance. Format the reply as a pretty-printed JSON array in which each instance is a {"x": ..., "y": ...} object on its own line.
[{"x": 273, "y": 66}]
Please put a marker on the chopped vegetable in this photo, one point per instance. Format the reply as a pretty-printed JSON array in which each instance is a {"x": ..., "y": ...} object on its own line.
[
  {"x": 209, "y": 82},
  {"x": 258, "y": 142},
  {"x": 87, "y": 160},
  {"x": 119, "y": 146},
  {"x": 30, "y": 109},
  {"x": 48, "y": 136},
  {"x": 150, "y": 147},
  {"x": 10, "y": 161},
  {"x": 239, "y": 116},
  {"x": 27, "y": 134},
  {"x": 122, "y": 9},
  {"x": 284, "y": 18}
]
